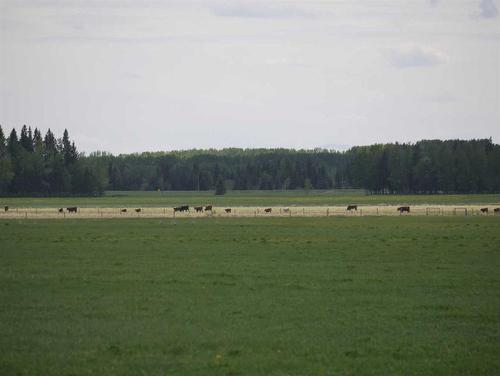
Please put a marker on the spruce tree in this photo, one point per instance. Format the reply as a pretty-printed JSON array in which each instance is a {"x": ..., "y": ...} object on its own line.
[
  {"x": 3, "y": 145},
  {"x": 13, "y": 144},
  {"x": 50, "y": 143},
  {"x": 25, "y": 140},
  {"x": 38, "y": 145}
]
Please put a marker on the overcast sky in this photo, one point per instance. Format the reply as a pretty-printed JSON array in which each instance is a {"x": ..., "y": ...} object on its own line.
[{"x": 129, "y": 75}]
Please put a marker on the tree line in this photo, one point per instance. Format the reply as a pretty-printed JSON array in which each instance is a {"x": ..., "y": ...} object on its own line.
[
  {"x": 32, "y": 164},
  {"x": 45, "y": 165}
]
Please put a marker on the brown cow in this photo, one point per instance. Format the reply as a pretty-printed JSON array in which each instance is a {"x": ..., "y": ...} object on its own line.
[
  {"x": 496, "y": 211},
  {"x": 208, "y": 208},
  {"x": 6, "y": 208},
  {"x": 61, "y": 210},
  {"x": 352, "y": 207},
  {"x": 123, "y": 210},
  {"x": 268, "y": 210},
  {"x": 72, "y": 209},
  {"x": 138, "y": 210},
  {"x": 403, "y": 209},
  {"x": 286, "y": 210},
  {"x": 484, "y": 210},
  {"x": 198, "y": 208},
  {"x": 181, "y": 208},
  {"x": 228, "y": 210}
]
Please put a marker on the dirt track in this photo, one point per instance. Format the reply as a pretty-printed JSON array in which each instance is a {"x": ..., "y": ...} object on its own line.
[{"x": 292, "y": 211}]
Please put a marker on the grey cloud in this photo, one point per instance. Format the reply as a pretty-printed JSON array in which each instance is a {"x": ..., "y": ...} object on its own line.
[
  {"x": 488, "y": 8},
  {"x": 254, "y": 9},
  {"x": 413, "y": 57}
]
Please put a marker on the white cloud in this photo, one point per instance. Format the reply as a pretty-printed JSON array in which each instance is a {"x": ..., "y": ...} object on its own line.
[
  {"x": 414, "y": 56},
  {"x": 257, "y": 9},
  {"x": 488, "y": 8}
]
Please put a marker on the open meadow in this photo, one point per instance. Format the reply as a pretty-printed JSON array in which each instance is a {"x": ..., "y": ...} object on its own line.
[
  {"x": 246, "y": 198},
  {"x": 319, "y": 296}
]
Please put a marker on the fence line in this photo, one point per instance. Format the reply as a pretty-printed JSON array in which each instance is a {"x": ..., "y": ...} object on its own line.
[{"x": 219, "y": 212}]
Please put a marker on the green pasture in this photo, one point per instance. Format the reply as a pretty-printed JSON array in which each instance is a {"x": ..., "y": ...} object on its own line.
[
  {"x": 245, "y": 198},
  {"x": 292, "y": 296}
]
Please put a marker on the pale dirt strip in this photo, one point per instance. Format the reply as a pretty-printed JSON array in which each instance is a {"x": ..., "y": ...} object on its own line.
[{"x": 219, "y": 212}]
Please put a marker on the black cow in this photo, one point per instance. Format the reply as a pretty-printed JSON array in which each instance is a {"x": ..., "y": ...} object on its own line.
[
  {"x": 208, "y": 208},
  {"x": 61, "y": 210},
  {"x": 228, "y": 210},
  {"x": 138, "y": 210},
  {"x": 352, "y": 207},
  {"x": 123, "y": 210},
  {"x": 403, "y": 209},
  {"x": 181, "y": 208},
  {"x": 484, "y": 210},
  {"x": 198, "y": 208},
  {"x": 6, "y": 208},
  {"x": 268, "y": 210},
  {"x": 496, "y": 211},
  {"x": 72, "y": 209}
]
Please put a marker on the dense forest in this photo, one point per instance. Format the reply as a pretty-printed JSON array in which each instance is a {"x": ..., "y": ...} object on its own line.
[{"x": 32, "y": 164}]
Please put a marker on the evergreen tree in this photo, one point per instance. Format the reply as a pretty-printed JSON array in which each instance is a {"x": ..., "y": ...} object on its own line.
[
  {"x": 3, "y": 144},
  {"x": 26, "y": 140},
  {"x": 50, "y": 143}
]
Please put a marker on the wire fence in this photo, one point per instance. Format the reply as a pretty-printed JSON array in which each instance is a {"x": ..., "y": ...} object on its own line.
[{"x": 234, "y": 212}]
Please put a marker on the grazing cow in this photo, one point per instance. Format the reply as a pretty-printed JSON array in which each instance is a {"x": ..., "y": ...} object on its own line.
[
  {"x": 6, "y": 208},
  {"x": 72, "y": 209},
  {"x": 138, "y": 210},
  {"x": 352, "y": 207},
  {"x": 123, "y": 210},
  {"x": 181, "y": 208},
  {"x": 268, "y": 210},
  {"x": 403, "y": 209},
  {"x": 496, "y": 211},
  {"x": 61, "y": 210},
  {"x": 198, "y": 208},
  {"x": 228, "y": 210},
  {"x": 484, "y": 210},
  {"x": 208, "y": 208},
  {"x": 286, "y": 210}
]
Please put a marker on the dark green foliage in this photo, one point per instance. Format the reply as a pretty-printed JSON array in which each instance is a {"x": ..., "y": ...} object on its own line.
[
  {"x": 220, "y": 186},
  {"x": 32, "y": 165},
  {"x": 452, "y": 166},
  {"x": 50, "y": 166},
  {"x": 303, "y": 296}
]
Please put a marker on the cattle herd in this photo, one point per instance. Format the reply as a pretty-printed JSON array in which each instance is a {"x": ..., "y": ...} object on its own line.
[{"x": 209, "y": 208}]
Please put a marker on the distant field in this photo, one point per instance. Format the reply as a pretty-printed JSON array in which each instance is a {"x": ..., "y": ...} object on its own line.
[
  {"x": 247, "y": 198},
  {"x": 298, "y": 296}
]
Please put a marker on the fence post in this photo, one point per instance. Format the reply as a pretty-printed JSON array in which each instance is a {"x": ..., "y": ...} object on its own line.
[{"x": 327, "y": 212}]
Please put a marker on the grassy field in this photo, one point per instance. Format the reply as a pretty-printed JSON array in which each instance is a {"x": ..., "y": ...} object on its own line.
[
  {"x": 318, "y": 296},
  {"x": 246, "y": 198}
]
